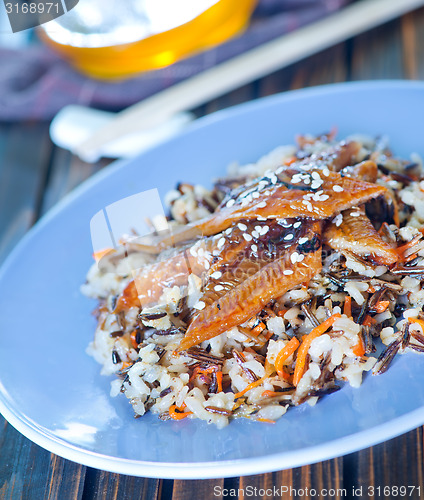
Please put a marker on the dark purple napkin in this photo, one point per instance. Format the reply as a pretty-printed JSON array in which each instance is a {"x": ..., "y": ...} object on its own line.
[{"x": 35, "y": 83}]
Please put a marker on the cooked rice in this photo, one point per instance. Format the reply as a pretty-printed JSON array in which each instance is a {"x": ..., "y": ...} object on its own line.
[{"x": 139, "y": 345}]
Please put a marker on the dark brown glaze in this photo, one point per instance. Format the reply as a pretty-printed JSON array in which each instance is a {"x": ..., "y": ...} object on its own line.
[
  {"x": 150, "y": 281},
  {"x": 258, "y": 281},
  {"x": 356, "y": 234},
  {"x": 280, "y": 201}
]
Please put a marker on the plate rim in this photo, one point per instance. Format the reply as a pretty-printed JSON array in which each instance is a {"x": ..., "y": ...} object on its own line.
[{"x": 224, "y": 468}]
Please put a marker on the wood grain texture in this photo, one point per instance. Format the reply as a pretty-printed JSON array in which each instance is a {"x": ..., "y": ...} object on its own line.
[
  {"x": 395, "y": 463},
  {"x": 206, "y": 489},
  {"x": 104, "y": 485},
  {"x": 296, "y": 483},
  {"x": 378, "y": 54},
  {"x": 26, "y": 151},
  {"x": 34, "y": 176},
  {"x": 29, "y": 472},
  {"x": 67, "y": 172}
]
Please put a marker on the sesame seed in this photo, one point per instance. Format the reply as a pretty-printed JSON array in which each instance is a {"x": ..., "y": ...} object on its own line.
[
  {"x": 199, "y": 305},
  {"x": 324, "y": 197},
  {"x": 316, "y": 184},
  {"x": 315, "y": 175},
  {"x": 303, "y": 240},
  {"x": 337, "y": 189},
  {"x": 338, "y": 220},
  {"x": 293, "y": 257},
  {"x": 247, "y": 237},
  {"x": 265, "y": 229},
  {"x": 201, "y": 250},
  {"x": 300, "y": 258},
  {"x": 255, "y": 234},
  {"x": 255, "y": 195},
  {"x": 254, "y": 248},
  {"x": 288, "y": 237},
  {"x": 297, "y": 224},
  {"x": 325, "y": 171},
  {"x": 262, "y": 204},
  {"x": 218, "y": 288},
  {"x": 258, "y": 228},
  {"x": 287, "y": 272},
  {"x": 228, "y": 231},
  {"x": 216, "y": 275},
  {"x": 355, "y": 214},
  {"x": 242, "y": 226},
  {"x": 230, "y": 203},
  {"x": 207, "y": 266},
  {"x": 260, "y": 218},
  {"x": 221, "y": 242},
  {"x": 193, "y": 252}
]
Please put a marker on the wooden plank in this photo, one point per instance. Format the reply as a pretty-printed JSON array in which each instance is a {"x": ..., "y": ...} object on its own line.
[
  {"x": 378, "y": 54},
  {"x": 245, "y": 93},
  {"x": 388, "y": 52},
  {"x": 204, "y": 489},
  {"x": 409, "y": 45},
  {"x": 25, "y": 151},
  {"x": 109, "y": 486},
  {"x": 67, "y": 172},
  {"x": 28, "y": 471},
  {"x": 413, "y": 44},
  {"x": 328, "y": 66},
  {"x": 395, "y": 463},
  {"x": 303, "y": 482}
]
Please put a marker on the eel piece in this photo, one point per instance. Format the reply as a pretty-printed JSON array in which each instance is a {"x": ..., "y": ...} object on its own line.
[
  {"x": 247, "y": 287},
  {"x": 356, "y": 234}
]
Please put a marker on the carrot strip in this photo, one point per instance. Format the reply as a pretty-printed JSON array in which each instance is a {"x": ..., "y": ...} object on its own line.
[
  {"x": 403, "y": 248},
  {"x": 285, "y": 352},
  {"x": 418, "y": 321},
  {"x": 381, "y": 306},
  {"x": 201, "y": 371},
  {"x": 266, "y": 420},
  {"x": 411, "y": 257},
  {"x": 219, "y": 381},
  {"x": 133, "y": 339},
  {"x": 287, "y": 377},
  {"x": 306, "y": 344},
  {"x": 270, "y": 394},
  {"x": 178, "y": 415},
  {"x": 359, "y": 350},
  {"x": 282, "y": 312},
  {"x": 258, "y": 329},
  {"x": 347, "y": 309},
  {"x": 250, "y": 386},
  {"x": 126, "y": 364},
  {"x": 368, "y": 321}
]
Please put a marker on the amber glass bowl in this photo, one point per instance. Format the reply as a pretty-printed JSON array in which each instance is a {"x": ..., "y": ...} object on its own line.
[{"x": 218, "y": 23}]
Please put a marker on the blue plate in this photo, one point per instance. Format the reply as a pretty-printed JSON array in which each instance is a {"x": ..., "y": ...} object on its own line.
[{"x": 52, "y": 391}]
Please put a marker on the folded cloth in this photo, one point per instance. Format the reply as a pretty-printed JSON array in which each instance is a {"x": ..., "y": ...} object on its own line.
[{"x": 35, "y": 83}]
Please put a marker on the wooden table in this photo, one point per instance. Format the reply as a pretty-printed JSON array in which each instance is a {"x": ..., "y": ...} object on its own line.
[{"x": 34, "y": 175}]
